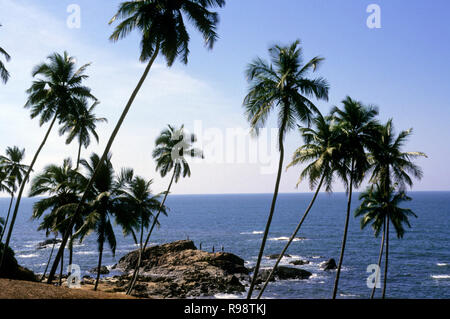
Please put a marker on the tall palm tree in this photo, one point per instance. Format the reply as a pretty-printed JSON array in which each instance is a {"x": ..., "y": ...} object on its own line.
[
  {"x": 161, "y": 24},
  {"x": 172, "y": 145},
  {"x": 11, "y": 163},
  {"x": 321, "y": 151},
  {"x": 102, "y": 208},
  {"x": 380, "y": 208},
  {"x": 136, "y": 196},
  {"x": 284, "y": 84},
  {"x": 357, "y": 129},
  {"x": 51, "y": 97},
  {"x": 390, "y": 164},
  {"x": 61, "y": 186},
  {"x": 81, "y": 125},
  {"x": 4, "y": 74}
]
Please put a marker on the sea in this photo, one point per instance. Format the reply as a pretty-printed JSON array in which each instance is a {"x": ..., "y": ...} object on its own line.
[{"x": 419, "y": 264}]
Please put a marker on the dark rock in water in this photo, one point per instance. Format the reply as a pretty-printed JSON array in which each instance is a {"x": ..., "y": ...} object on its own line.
[
  {"x": 299, "y": 262},
  {"x": 103, "y": 270},
  {"x": 329, "y": 265},
  {"x": 275, "y": 256},
  {"x": 48, "y": 242},
  {"x": 179, "y": 270},
  {"x": 282, "y": 273},
  {"x": 12, "y": 270}
]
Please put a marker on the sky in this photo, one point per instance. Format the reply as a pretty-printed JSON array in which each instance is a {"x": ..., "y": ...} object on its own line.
[{"x": 401, "y": 67}]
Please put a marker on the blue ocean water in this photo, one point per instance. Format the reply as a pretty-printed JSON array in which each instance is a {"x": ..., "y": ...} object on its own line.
[{"x": 419, "y": 264}]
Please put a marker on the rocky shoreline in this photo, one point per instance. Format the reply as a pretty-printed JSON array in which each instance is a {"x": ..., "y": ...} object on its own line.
[{"x": 180, "y": 270}]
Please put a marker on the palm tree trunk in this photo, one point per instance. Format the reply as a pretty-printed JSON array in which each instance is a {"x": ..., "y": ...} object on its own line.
[
  {"x": 380, "y": 256},
  {"x": 155, "y": 220},
  {"x": 344, "y": 239},
  {"x": 22, "y": 187},
  {"x": 7, "y": 217},
  {"x": 269, "y": 219},
  {"x": 49, "y": 259},
  {"x": 70, "y": 253},
  {"x": 138, "y": 264},
  {"x": 291, "y": 238},
  {"x": 387, "y": 256},
  {"x": 102, "y": 160},
  {"x": 61, "y": 270},
  {"x": 99, "y": 264},
  {"x": 78, "y": 157}
]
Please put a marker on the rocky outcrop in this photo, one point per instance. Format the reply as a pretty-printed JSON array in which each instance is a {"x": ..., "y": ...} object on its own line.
[
  {"x": 48, "y": 242},
  {"x": 329, "y": 265},
  {"x": 283, "y": 273},
  {"x": 12, "y": 270},
  {"x": 179, "y": 270},
  {"x": 103, "y": 270},
  {"x": 299, "y": 262}
]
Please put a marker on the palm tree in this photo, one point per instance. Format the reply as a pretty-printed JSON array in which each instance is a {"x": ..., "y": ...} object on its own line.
[
  {"x": 136, "y": 196},
  {"x": 4, "y": 74},
  {"x": 82, "y": 125},
  {"x": 380, "y": 209},
  {"x": 390, "y": 164},
  {"x": 357, "y": 129},
  {"x": 12, "y": 165},
  {"x": 51, "y": 97},
  {"x": 102, "y": 208},
  {"x": 321, "y": 152},
  {"x": 172, "y": 145},
  {"x": 282, "y": 84},
  {"x": 161, "y": 24},
  {"x": 61, "y": 186}
]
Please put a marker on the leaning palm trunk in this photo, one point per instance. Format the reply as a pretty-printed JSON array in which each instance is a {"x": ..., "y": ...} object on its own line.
[
  {"x": 291, "y": 238},
  {"x": 61, "y": 269},
  {"x": 49, "y": 259},
  {"x": 22, "y": 187},
  {"x": 70, "y": 253},
  {"x": 155, "y": 220},
  {"x": 99, "y": 264},
  {"x": 102, "y": 160},
  {"x": 78, "y": 157},
  {"x": 7, "y": 217},
  {"x": 269, "y": 220},
  {"x": 380, "y": 256},
  {"x": 344, "y": 239},
  {"x": 386, "y": 260},
  {"x": 138, "y": 263}
]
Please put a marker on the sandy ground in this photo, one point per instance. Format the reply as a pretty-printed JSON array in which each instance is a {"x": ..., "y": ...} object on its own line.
[{"x": 16, "y": 289}]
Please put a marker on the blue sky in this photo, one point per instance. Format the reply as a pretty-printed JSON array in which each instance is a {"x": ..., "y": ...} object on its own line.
[{"x": 402, "y": 68}]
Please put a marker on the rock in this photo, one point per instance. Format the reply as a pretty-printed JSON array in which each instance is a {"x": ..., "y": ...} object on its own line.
[
  {"x": 330, "y": 264},
  {"x": 12, "y": 270},
  {"x": 103, "y": 270},
  {"x": 179, "y": 270},
  {"x": 282, "y": 273},
  {"x": 275, "y": 256},
  {"x": 299, "y": 262},
  {"x": 48, "y": 242}
]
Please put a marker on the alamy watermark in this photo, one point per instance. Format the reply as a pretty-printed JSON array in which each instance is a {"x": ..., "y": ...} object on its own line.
[
  {"x": 74, "y": 19},
  {"x": 74, "y": 280},
  {"x": 374, "y": 19},
  {"x": 373, "y": 281}
]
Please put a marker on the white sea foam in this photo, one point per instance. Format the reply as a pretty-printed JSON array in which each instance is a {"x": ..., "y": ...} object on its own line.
[
  {"x": 27, "y": 256},
  {"x": 228, "y": 296},
  {"x": 283, "y": 238},
  {"x": 442, "y": 264},
  {"x": 440, "y": 276},
  {"x": 255, "y": 232},
  {"x": 85, "y": 252}
]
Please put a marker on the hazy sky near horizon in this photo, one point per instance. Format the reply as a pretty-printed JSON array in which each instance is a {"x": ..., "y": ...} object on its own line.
[{"x": 402, "y": 68}]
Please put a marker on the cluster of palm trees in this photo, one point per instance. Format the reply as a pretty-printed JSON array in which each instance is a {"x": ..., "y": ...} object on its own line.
[{"x": 349, "y": 144}]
